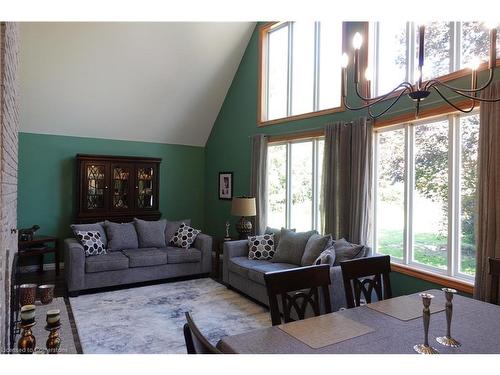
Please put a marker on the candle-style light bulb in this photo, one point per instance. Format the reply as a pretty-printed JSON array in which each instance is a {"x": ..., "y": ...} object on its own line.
[
  {"x": 490, "y": 24},
  {"x": 344, "y": 60},
  {"x": 368, "y": 73},
  {"x": 474, "y": 64},
  {"x": 357, "y": 41}
]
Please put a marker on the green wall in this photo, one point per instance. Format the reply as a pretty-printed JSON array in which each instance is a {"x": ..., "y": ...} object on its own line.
[
  {"x": 228, "y": 148},
  {"x": 47, "y": 178}
]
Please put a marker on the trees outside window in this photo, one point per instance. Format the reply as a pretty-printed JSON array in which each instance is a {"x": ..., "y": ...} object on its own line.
[{"x": 425, "y": 194}]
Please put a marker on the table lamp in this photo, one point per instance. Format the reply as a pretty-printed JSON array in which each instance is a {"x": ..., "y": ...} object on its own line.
[{"x": 244, "y": 207}]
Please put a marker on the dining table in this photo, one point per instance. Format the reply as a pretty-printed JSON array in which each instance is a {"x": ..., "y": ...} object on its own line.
[{"x": 475, "y": 324}]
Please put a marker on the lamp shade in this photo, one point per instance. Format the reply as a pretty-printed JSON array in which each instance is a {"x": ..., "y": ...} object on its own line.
[{"x": 243, "y": 206}]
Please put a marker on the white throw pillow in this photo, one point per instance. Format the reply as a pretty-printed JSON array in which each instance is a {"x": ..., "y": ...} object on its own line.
[
  {"x": 91, "y": 242},
  {"x": 261, "y": 247},
  {"x": 184, "y": 236}
]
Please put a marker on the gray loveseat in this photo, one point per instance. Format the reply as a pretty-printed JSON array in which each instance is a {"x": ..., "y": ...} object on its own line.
[
  {"x": 129, "y": 266},
  {"x": 247, "y": 275}
]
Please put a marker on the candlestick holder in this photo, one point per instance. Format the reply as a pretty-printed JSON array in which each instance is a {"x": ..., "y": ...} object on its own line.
[
  {"x": 53, "y": 341},
  {"x": 27, "y": 342},
  {"x": 425, "y": 348},
  {"x": 448, "y": 340}
]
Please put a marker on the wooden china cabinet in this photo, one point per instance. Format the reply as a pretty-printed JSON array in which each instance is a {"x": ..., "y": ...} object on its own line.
[{"x": 117, "y": 188}]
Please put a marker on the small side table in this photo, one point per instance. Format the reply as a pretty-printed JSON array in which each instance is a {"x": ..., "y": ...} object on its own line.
[
  {"x": 37, "y": 247},
  {"x": 219, "y": 250}
]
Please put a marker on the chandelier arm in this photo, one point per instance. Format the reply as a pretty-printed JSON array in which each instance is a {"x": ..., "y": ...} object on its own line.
[
  {"x": 380, "y": 98},
  {"x": 433, "y": 82},
  {"x": 472, "y": 97},
  {"x": 368, "y": 105},
  {"x": 453, "y": 105},
  {"x": 370, "y": 113}
]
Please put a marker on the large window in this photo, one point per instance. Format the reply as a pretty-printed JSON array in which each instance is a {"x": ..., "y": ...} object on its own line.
[
  {"x": 300, "y": 68},
  {"x": 294, "y": 180},
  {"x": 449, "y": 47},
  {"x": 425, "y": 194}
]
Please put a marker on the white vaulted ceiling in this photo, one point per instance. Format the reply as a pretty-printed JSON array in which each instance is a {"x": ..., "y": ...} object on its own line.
[{"x": 154, "y": 82}]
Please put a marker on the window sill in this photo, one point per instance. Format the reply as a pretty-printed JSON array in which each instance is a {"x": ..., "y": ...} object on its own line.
[
  {"x": 450, "y": 282},
  {"x": 300, "y": 117}
]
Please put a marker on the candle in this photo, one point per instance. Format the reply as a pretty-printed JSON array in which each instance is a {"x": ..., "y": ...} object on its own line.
[
  {"x": 53, "y": 317},
  {"x": 493, "y": 47},
  {"x": 27, "y": 314}
]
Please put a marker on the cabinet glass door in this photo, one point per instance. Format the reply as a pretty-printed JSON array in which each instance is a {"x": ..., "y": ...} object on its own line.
[
  {"x": 145, "y": 187},
  {"x": 121, "y": 187},
  {"x": 96, "y": 185}
]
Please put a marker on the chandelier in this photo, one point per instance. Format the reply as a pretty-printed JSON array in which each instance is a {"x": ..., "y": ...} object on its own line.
[{"x": 419, "y": 91}]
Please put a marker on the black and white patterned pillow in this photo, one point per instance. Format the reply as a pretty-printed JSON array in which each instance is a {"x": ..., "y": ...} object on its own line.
[
  {"x": 261, "y": 247},
  {"x": 184, "y": 236},
  {"x": 91, "y": 242}
]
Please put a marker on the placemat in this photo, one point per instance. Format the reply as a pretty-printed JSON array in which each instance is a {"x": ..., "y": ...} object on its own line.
[
  {"x": 407, "y": 307},
  {"x": 325, "y": 330}
]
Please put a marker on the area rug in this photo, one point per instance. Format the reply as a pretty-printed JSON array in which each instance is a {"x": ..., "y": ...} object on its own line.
[{"x": 149, "y": 319}]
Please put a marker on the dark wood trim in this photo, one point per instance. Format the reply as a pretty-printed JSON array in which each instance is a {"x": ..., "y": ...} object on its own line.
[
  {"x": 134, "y": 159},
  {"x": 296, "y": 136},
  {"x": 446, "y": 281}
]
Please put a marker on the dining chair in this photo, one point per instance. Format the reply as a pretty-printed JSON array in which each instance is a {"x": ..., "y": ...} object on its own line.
[
  {"x": 495, "y": 274},
  {"x": 365, "y": 275},
  {"x": 298, "y": 289},
  {"x": 196, "y": 343}
]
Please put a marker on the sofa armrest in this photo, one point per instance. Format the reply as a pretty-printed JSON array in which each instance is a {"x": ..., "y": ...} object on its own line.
[
  {"x": 230, "y": 250},
  {"x": 74, "y": 264},
  {"x": 337, "y": 292},
  {"x": 204, "y": 243}
]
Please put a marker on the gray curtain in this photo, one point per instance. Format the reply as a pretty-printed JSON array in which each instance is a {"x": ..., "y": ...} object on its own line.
[
  {"x": 488, "y": 214},
  {"x": 347, "y": 180},
  {"x": 258, "y": 180}
]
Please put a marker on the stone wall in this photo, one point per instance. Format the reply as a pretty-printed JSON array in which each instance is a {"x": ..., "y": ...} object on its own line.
[{"x": 9, "y": 127}]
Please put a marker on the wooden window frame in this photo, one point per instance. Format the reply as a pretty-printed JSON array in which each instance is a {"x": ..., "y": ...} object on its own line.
[
  {"x": 406, "y": 267},
  {"x": 262, "y": 78}
]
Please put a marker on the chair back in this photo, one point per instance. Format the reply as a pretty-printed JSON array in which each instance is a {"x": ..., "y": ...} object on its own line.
[
  {"x": 196, "y": 343},
  {"x": 365, "y": 275},
  {"x": 298, "y": 288},
  {"x": 495, "y": 274}
]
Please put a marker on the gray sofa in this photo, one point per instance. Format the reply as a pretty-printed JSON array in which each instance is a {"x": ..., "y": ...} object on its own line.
[
  {"x": 247, "y": 275},
  {"x": 133, "y": 265}
]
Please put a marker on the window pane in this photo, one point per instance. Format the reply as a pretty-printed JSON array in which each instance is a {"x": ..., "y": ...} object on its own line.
[
  {"x": 436, "y": 49},
  {"x": 321, "y": 151},
  {"x": 303, "y": 67},
  {"x": 391, "y": 57},
  {"x": 330, "y": 51},
  {"x": 276, "y": 186},
  {"x": 390, "y": 193},
  {"x": 475, "y": 42},
  {"x": 301, "y": 186},
  {"x": 430, "y": 196},
  {"x": 277, "y": 73},
  {"x": 469, "y": 136}
]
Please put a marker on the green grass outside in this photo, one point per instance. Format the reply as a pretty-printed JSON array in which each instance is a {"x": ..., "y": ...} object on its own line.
[{"x": 429, "y": 249}]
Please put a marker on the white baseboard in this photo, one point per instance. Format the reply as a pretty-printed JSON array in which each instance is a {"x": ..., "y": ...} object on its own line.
[{"x": 35, "y": 268}]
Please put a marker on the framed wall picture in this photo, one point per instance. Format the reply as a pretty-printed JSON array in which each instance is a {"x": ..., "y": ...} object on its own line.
[{"x": 226, "y": 185}]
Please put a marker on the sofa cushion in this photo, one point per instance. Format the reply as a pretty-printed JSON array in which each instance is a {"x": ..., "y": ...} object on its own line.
[
  {"x": 277, "y": 234},
  {"x": 257, "y": 273},
  {"x": 314, "y": 246},
  {"x": 108, "y": 262},
  {"x": 145, "y": 257},
  {"x": 291, "y": 246},
  {"x": 176, "y": 255},
  {"x": 91, "y": 242},
  {"x": 99, "y": 227},
  {"x": 345, "y": 250},
  {"x": 150, "y": 233},
  {"x": 185, "y": 236},
  {"x": 241, "y": 265},
  {"x": 172, "y": 227},
  {"x": 327, "y": 256},
  {"x": 121, "y": 236},
  {"x": 261, "y": 247}
]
